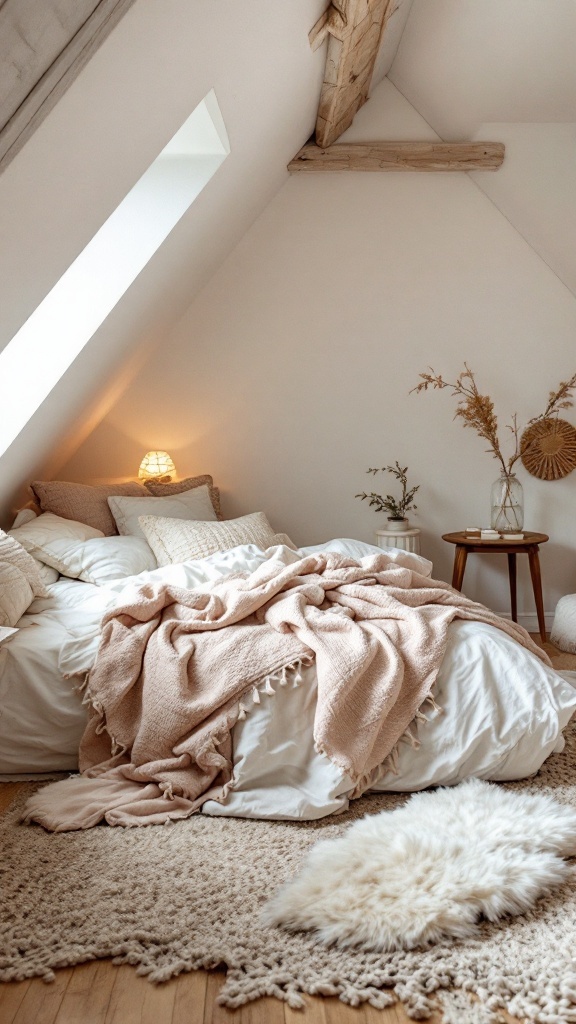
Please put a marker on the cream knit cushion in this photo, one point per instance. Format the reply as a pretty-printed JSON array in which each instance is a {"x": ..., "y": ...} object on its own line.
[
  {"x": 11, "y": 551},
  {"x": 176, "y": 540},
  {"x": 20, "y": 580},
  {"x": 15, "y": 594}
]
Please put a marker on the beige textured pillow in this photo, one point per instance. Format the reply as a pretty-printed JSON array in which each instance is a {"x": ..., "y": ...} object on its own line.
[
  {"x": 162, "y": 490},
  {"x": 83, "y": 502},
  {"x": 15, "y": 594},
  {"x": 180, "y": 540},
  {"x": 12, "y": 553}
]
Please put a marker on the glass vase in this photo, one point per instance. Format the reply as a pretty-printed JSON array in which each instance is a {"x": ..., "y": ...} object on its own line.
[{"x": 507, "y": 504}]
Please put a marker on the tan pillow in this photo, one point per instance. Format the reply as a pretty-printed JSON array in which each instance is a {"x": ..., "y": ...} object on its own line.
[
  {"x": 83, "y": 502},
  {"x": 12, "y": 553},
  {"x": 162, "y": 490},
  {"x": 181, "y": 540}
]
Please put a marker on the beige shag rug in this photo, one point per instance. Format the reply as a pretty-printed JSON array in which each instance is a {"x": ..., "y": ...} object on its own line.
[{"x": 175, "y": 898}]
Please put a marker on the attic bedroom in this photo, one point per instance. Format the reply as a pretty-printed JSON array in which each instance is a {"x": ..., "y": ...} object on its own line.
[{"x": 287, "y": 555}]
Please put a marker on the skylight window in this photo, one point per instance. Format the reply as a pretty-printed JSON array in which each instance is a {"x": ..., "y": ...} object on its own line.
[{"x": 59, "y": 328}]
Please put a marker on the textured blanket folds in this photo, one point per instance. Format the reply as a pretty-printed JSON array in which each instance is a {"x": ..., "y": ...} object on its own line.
[{"x": 177, "y": 668}]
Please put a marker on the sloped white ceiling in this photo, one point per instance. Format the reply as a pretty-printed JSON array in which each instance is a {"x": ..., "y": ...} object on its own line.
[
  {"x": 463, "y": 63},
  {"x": 43, "y": 46},
  {"x": 504, "y": 70}
]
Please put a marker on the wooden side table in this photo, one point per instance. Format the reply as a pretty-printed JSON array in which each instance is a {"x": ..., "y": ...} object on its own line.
[{"x": 529, "y": 546}]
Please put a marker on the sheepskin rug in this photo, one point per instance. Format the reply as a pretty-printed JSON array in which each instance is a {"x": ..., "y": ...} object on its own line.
[{"x": 430, "y": 870}]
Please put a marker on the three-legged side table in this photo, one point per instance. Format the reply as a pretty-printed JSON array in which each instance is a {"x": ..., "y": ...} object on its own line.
[{"x": 466, "y": 544}]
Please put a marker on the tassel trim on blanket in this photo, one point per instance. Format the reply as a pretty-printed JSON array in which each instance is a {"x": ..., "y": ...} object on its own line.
[
  {"x": 280, "y": 677},
  {"x": 390, "y": 763}
]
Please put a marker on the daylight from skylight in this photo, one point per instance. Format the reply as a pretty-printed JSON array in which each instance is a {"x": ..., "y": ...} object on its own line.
[{"x": 59, "y": 328}]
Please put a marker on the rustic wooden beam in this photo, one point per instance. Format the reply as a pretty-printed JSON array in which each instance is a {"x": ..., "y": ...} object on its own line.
[
  {"x": 354, "y": 29},
  {"x": 333, "y": 22},
  {"x": 399, "y": 156}
]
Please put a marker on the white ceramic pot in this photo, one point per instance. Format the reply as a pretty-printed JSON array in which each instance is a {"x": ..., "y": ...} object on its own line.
[{"x": 397, "y": 525}]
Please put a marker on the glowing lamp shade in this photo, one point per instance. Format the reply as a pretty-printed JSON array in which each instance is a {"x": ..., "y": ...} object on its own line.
[{"x": 156, "y": 466}]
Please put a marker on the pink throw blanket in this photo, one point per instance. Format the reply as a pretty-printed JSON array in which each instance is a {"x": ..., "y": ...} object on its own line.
[{"x": 176, "y": 668}]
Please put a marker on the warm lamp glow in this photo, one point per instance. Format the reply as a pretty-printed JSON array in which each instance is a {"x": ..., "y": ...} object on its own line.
[{"x": 156, "y": 466}]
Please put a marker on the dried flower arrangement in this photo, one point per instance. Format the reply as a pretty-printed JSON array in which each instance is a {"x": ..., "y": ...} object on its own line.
[
  {"x": 477, "y": 411},
  {"x": 396, "y": 508}
]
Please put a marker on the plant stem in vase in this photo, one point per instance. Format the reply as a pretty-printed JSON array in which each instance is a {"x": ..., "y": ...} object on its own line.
[{"x": 507, "y": 504}]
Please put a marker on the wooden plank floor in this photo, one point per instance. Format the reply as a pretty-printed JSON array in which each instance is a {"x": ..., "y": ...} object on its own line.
[{"x": 102, "y": 993}]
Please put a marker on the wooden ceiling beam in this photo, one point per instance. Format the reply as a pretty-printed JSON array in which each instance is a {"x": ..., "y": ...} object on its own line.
[
  {"x": 354, "y": 29},
  {"x": 399, "y": 156}
]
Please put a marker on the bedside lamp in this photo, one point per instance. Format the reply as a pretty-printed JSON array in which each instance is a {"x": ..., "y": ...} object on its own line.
[{"x": 156, "y": 466}]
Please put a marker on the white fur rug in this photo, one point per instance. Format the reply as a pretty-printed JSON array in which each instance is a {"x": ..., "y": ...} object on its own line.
[{"x": 430, "y": 870}]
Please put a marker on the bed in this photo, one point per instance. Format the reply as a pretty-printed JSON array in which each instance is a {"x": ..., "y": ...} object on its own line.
[{"x": 498, "y": 710}]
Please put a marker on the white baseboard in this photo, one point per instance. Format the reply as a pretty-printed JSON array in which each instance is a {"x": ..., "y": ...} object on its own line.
[{"x": 530, "y": 620}]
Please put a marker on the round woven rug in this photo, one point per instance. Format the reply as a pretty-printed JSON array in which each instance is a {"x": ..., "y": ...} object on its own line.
[{"x": 175, "y": 898}]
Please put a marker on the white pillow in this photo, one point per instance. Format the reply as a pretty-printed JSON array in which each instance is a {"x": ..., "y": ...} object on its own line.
[
  {"x": 24, "y": 515},
  {"x": 175, "y": 540},
  {"x": 47, "y": 574},
  {"x": 39, "y": 533},
  {"x": 101, "y": 559},
  {"x": 82, "y": 552},
  {"x": 193, "y": 504}
]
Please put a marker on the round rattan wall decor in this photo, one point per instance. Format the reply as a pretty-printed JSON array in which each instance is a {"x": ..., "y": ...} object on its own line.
[{"x": 549, "y": 449}]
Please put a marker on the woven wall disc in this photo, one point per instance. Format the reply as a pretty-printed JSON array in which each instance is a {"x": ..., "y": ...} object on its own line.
[{"x": 549, "y": 449}]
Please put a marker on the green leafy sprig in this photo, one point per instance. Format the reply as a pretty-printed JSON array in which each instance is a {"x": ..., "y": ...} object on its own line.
[{"x": 395, "y": 507}]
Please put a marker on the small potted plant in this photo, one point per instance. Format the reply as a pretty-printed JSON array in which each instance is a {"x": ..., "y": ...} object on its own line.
[{"x": 395, "y": 507}]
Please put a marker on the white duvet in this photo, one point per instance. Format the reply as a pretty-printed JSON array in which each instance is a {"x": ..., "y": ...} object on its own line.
[{"x": 502, "y": 714}]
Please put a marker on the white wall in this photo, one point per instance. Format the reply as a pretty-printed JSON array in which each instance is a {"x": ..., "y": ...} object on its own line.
[
  {"x": 290, "y": 373},
  {"x": 535, "y": 189}
]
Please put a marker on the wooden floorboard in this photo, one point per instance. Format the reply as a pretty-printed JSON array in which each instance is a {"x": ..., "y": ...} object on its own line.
[
  {"x": 8, "y": 792},
  {"x": 87, "y": 995},
  {"x": 41, "y": 1002},
  {"x": 102, "y": 993}
]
